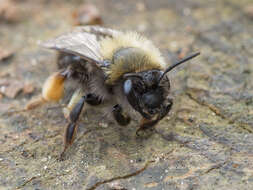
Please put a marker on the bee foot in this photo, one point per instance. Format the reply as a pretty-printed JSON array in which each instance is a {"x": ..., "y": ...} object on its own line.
[
  {"x": 142, "y": 131},
  {"x": 35, "y": 103}
]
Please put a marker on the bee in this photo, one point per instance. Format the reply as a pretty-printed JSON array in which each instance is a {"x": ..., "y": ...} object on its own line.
[{"x": 123, "y": 71}]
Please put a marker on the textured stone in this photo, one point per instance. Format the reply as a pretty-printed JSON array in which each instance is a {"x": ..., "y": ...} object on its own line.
[{"x": 205, "y": 142}]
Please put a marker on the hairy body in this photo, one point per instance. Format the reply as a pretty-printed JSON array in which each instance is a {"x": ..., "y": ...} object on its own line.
[{"x": 123, "y": 71}]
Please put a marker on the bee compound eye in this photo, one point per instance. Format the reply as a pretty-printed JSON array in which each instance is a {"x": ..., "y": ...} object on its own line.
[{"x": 127, "y": 86}]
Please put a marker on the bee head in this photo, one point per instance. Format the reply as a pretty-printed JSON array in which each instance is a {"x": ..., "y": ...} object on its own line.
[
  {"x": 144, "y": 93},
  {"x": 147, "y": 91}
]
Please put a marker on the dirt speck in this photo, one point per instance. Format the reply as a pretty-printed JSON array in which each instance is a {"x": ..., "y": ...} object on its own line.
[{"x": 87, "y": 14}]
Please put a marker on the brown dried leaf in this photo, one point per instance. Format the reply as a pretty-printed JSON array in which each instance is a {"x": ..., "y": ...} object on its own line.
[
  {"x": 249, "y": 11},
  {"x": 4, "y": 74},
  {"x": 9, "y": 11},
  {"x": 4, "y": 82},
  {"x": 87, "y": 14},
  {"x": 5, "y": 54},
  {"x": 12, "y": 89}
]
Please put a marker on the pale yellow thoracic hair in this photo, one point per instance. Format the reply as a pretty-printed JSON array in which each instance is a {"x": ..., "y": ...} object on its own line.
[{"x": 130, "y": 39}]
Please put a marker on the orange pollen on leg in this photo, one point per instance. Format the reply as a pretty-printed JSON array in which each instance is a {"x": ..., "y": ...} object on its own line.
[{"x": 53, "y": 87}]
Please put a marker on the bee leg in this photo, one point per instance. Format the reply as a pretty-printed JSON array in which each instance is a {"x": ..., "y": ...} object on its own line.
[
  {"x": 52, "y": 90},
  {"x": 35, "y": 103},
  {"x": 71, "y": 128},
  {"x": 93, "y": 100},
  {"x": 165, "y": 109},
  {"x": 77, "y": 95},
  {"x": 119, "y": 116},
  {"x": 74, "y": 114},
  {"x": 147, "y": 124},
  {"x": 53, "y": 87}
]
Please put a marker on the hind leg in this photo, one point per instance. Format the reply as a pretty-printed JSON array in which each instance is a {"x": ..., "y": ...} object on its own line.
[
  {"x": 71, "y": 128},
  {"x": 52, "y": 90},
  {"x": 73, "y": 101},
  {"x": 91, "y": 99},
  {"x": 74, "y": 110}
]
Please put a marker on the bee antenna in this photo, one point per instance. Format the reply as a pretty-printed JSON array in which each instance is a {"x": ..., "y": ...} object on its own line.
[{"x": 176, "y": 64}]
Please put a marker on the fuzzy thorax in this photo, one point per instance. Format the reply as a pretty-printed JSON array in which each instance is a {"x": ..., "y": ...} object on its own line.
[{"x": 140, "y": 55}]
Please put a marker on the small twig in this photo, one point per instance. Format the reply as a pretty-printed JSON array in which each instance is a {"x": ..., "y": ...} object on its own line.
[
  {"x": 26, "y": 182},
  {"x": 121, "y": 177}
]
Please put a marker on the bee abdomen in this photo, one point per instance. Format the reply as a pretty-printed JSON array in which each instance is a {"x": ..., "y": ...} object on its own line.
[
  {"x": 79, "y": 68},
  {"x": 65, "y": 59}
]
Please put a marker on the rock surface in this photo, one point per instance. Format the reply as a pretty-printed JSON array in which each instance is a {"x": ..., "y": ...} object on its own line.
[{"x": 206, "y": 141}]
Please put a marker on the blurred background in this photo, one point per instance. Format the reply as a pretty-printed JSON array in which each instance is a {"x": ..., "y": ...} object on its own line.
[{"x": 206, "y": 141}]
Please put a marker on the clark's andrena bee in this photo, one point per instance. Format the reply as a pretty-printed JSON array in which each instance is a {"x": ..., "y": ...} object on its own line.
[{"x": 121, "y": 70}]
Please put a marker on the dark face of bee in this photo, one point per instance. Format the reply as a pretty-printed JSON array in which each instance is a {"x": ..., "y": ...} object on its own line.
[{"x": 144, "y": 94}]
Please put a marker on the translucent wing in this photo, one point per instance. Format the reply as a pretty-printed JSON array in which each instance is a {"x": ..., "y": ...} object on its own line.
[
  {"x": 99, "y": 32},
  {"x": 82, "y": 44},
  {"x": 83, "y": 41}
]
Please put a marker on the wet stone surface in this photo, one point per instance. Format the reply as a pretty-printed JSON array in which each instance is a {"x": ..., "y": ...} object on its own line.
[{"x": 206, "y": 141}]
